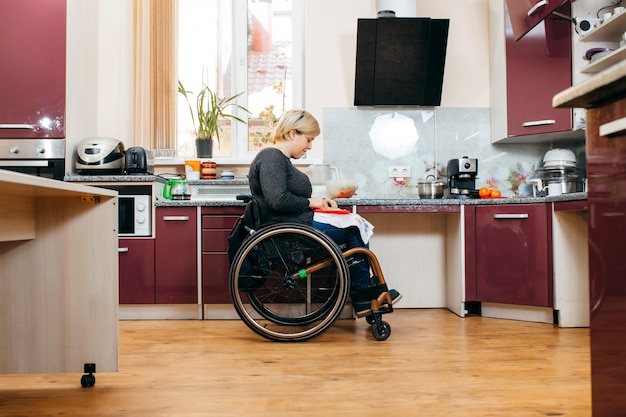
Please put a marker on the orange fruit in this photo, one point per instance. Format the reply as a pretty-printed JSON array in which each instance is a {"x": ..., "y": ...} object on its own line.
[
  {"x": 496, "y": 194},
  {"x": 484, "y": 192}
]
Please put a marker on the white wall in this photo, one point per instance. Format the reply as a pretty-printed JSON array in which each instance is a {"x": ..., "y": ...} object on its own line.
[
  {"x": 99, "y": 71},
  {"x": 330, "y": 36},
  {"x": 99, "y": 101}
]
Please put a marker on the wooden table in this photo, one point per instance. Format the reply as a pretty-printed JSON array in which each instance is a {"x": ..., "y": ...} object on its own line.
[{"x": 58, "y": 276}]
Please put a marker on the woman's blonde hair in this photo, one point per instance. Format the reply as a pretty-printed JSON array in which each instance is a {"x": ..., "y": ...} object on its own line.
[{"x": 301, "y": 121}]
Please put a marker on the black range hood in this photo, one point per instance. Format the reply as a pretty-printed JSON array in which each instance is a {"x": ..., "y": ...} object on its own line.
[{"x": 400, "y": 61}]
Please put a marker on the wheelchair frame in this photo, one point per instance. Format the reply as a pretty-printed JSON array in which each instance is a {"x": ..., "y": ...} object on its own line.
[{"x": 290, "y": 282}]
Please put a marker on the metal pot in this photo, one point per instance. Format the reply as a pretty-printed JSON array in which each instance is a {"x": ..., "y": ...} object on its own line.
[{"x": 431, "y": 189}]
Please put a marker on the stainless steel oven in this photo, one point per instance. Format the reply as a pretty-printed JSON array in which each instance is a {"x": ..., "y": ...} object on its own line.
[{"x": 41, "y": 157}]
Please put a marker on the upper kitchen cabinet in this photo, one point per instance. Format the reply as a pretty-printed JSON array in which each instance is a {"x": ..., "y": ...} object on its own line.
[
  {"x": 526, "y": 74},
  {"x": 526, "y": 14},
  {"x": 32, "y": 74}
]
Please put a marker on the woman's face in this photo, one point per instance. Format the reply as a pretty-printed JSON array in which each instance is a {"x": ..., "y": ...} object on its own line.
[{"x": 300, "y": 144}]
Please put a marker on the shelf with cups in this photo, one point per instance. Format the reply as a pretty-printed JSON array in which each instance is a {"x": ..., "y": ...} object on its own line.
[{"x": 613, "y": 29}]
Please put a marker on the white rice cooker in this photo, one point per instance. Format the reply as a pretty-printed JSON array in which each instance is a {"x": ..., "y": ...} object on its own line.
[{"x": 99, "y": 156}]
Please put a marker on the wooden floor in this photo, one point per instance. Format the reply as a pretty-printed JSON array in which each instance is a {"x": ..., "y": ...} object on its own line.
[{"x": 434, "y": 364}]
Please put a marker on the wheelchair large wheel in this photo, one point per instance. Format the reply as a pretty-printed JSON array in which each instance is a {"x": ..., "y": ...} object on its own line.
[{"x": 289, "y": 282}]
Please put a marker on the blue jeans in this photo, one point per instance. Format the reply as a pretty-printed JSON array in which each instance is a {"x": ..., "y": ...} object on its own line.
[{"x": 351, "y": 238}]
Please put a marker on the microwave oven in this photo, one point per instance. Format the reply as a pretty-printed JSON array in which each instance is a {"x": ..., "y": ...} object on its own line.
[
  {"x": 134, "y": 209},
  {"x": 134, "y": 215}
]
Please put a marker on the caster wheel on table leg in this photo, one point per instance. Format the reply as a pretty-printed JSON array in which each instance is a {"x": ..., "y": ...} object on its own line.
[
  {"x": 381, "y": 331},
  {"x": 87, "y": 380}
]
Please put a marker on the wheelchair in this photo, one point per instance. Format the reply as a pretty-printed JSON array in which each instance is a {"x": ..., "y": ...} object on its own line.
[{"x": 289, "y": 282}]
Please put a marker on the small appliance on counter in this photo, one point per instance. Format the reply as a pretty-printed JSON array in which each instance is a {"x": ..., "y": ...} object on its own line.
[
  {"x": 462, "y": 177},
  {"x": 177, "y": 189},
  {"x": 99, "y": 156},
  {"x": 138, "y": 161},
  {"x": 558, "y": 175}
]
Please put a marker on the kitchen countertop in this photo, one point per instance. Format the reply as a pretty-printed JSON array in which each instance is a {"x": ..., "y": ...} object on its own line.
[
  {"x": 416, "y": 202},
  {"x": 69, "y": 177},
  {"x": 594, "y": 91},
  {"x": 434, "y": 204}
]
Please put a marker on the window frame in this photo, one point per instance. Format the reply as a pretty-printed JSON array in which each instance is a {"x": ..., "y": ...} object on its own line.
[{"x": 239, "y": 70}]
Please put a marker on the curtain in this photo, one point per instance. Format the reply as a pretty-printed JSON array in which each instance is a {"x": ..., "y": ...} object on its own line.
[{"x": 154, "y": 75}]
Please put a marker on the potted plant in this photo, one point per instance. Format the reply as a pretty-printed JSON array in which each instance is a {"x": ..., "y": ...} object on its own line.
[{"x": 206, "y": 116}]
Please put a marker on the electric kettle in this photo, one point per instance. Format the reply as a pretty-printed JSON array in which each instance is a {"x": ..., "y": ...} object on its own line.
[{"x": 177, "y": 189}]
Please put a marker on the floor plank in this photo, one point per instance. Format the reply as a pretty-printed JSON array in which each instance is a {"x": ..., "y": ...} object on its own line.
[{"x": 434, "y": 364}]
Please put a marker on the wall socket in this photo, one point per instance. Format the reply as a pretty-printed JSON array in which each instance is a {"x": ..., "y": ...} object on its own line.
[{"x": 399, "y": 171}]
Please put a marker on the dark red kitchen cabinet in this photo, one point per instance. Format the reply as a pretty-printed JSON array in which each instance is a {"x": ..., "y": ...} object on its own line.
[
  {"x": 606, "y": 173},
  {"x": 32, "y": 73},
  {"x": 526, "y": 14},
  {"x": 537, "y": 67},
  {"x": 136, "y": 271},
  {"x": 176, "y": 254},
  {"x": 513, "y": 255},
  {"x": 526, "y": 74},
  {"x": 216, "y": 225}
]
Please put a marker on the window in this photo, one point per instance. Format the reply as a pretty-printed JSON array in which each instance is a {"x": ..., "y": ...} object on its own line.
[{"x": 234, "y": 46}]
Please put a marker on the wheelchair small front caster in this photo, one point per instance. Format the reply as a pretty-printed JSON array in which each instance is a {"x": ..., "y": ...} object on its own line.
[
  {"x": 370, "y": 319},
  {"x": 381, "y": 330},
  {"x": 88, "y": 380}
]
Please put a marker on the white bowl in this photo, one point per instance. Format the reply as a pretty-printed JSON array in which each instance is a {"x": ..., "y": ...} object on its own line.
[{"x": 341, "y": 188}]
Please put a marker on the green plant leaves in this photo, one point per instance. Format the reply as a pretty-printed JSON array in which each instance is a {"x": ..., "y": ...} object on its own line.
[{"x": 209, "y": 110}]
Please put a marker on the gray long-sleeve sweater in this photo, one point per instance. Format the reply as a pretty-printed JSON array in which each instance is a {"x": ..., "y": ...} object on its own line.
[{"x": 281, "y": 189}]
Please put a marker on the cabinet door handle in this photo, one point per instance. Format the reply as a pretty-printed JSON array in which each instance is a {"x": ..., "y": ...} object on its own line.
[
  {"x": 510, "y": 216},
  {"x": 122, "y": 250},
  {"x": 16, "y": 126},
  {"x": 536, "y": 7},
  {"x": 613, "y": 128},
  {"x": 538, "y": 123},
  {"x": 26, "y": 163},
  {"x": 176, "y": 218}
]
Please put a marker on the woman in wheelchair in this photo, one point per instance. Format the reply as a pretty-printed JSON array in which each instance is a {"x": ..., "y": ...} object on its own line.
[{"x": 283, "y": 194}]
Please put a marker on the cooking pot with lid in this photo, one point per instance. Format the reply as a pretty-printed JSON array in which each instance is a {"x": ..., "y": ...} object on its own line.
[{"x": 431, "y": 189}]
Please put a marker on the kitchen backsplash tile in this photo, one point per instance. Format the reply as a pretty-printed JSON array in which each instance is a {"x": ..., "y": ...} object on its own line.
[{"x": 363, "y": 143}]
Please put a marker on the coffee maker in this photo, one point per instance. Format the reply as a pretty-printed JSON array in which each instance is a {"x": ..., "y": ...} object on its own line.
[{"x": 462, "y": 177}]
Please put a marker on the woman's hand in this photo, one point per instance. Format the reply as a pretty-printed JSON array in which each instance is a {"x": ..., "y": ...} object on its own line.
[{"x": 321, "y": 203}]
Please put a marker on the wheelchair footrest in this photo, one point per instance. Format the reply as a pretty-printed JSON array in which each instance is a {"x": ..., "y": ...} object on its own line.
[{"x": 381, "y": 305}]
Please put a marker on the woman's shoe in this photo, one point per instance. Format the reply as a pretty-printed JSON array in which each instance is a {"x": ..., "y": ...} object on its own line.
[{"x": 362, "y": 299}]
